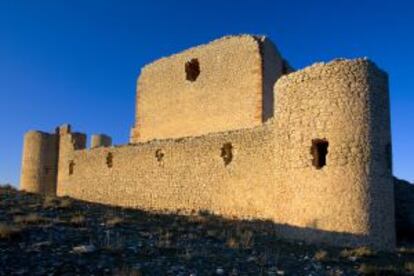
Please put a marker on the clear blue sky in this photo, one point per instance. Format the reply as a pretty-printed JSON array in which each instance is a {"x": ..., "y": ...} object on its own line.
[{"x": 77, "y": 61}]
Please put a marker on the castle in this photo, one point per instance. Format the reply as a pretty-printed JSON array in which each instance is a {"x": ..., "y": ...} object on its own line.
[{"x": 231, "y": 128}]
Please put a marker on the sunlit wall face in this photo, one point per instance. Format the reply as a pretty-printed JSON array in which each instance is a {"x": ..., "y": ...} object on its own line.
[{"x": 78, "y": 61}]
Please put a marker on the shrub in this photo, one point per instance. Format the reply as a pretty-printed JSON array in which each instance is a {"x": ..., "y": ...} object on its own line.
[
  {"x": 409, "y": 266},
  {"x": 114, "y": 221},
  {"x": 9, "y": 231},
  {"x": 50, "y": 202},
  {"x": 359, "y": 252},
  {"x": 321, "y": 255},
  {"x": 78, "y": 220},
  {"x": 370, "y": 269},
  {"x": 65, "y": 203},
  {"x": 31, "y": 218},
  {"x": 243, "y": 239}
]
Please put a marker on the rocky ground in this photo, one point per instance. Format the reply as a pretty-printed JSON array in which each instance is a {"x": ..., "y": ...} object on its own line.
[{"x": 62, "y": 236}]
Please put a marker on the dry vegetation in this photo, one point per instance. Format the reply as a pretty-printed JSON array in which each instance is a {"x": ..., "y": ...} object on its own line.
[
  {"x": 50, "y": 235},
  {"x": 359, "y": 252},
  {"x": 30, "y": 218},
  {"x": 321, "y": 255},
  {"x": 9, "y": 231},
  {"x": 78, "y": 220}
]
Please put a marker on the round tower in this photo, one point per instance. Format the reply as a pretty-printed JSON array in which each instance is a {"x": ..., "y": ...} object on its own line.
[
  {"x": 335, "y": 147},
  {"x": 39, "y": 163}
]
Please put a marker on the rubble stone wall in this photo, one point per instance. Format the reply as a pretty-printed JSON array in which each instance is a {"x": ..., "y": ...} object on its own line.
[
  {"x": 235, "y": 80},
  {"x": 269, "y": 172},
  {"x": 343, "y": 104}
]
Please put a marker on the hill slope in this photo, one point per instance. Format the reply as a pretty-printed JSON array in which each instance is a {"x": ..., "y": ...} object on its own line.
[{"x": 58, "y": 236}]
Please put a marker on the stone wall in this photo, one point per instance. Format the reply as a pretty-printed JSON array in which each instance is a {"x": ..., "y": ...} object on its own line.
[
  {"x": 68, "y": 143},
  {"x": 313, "y": 156},
  {"x": 100, "y": 140},
  {"x": 211, "y": 172},
  {"x": 224, "y": 85},
  {"x": 319, "y": 170}
]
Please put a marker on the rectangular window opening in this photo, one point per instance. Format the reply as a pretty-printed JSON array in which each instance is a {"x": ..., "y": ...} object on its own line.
[{"x": 319, "y": 150}]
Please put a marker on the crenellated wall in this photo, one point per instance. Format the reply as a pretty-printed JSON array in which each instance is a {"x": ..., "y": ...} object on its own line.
[{"x": 100, "y": 140}]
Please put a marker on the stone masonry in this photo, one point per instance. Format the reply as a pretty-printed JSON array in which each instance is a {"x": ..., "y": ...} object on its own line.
[{"x": 227, "y": 127}]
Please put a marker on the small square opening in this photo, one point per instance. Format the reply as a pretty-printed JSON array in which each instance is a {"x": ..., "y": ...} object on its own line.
[
  {"x": 71, "y": 167},
  {"x": 109, "y": 160},
  {"x": 192, "y": 69}
]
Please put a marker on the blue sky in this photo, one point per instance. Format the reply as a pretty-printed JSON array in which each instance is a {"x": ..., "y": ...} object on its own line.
[{"x": 77, "y": 61}]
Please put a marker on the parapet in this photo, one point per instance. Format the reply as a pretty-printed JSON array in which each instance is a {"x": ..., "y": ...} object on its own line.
[
  {"x": 64, "y": 129},
  {"x": 224, "y": 85},
  {"x": 100, "y": 140}
]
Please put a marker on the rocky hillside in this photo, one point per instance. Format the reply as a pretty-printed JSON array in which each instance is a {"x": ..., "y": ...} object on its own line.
[{"x": 62, "y": 236}]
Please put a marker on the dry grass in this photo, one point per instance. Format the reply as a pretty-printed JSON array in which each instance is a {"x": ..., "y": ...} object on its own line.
[
  {"x": 15, "y": 211},
  {"x": 213, "y": 233},
  {"x": 164, "y": 239},
  {"x": 113, "y": 242},
  {"x": 50, "y": 202},
  {"x": 321, "y": 255},
  {"x": 114, "y": 221},
  {"x": 359, "y": 252},
  {"x": 197, "y": 219},
  {"x": 187, "y": 255},
  {"x": 232, "y": 243},
  {"x": 406, "y": 250},
  {"x": 65, "y": 203},
  {"x": 114, "y": 218},
  {"x": 127, "y": 271},
  {"x": 31, "y": 218},
  {"x": 370, "y": 269},
  {"x": 53, "y": 202},
  {"x": 240, "y": 239},
  {"x": 9, "y": 231},
  {"x": 409, "y": 266},
  {"x": 78, "y": 220}
]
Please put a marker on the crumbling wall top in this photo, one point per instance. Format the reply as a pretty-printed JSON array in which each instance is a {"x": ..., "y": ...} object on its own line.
[{"x": 215, "y": 87}]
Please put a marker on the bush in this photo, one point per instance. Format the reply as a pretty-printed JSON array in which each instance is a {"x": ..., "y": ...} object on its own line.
[
  {"x": 9, "y": 231},
  {"x": 31, "y": 218}
]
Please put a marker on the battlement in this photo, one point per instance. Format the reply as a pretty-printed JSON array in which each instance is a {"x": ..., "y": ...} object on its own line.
[
  {"x": 223, "y": 127},
  {"x": 42, "y": 153}
]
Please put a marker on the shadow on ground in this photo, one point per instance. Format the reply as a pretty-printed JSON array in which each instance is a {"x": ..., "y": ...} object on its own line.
[{"x": 58, "y": 236}]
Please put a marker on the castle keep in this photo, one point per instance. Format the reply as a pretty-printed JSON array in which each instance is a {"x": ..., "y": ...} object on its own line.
[{"x": 229, "y": 128}]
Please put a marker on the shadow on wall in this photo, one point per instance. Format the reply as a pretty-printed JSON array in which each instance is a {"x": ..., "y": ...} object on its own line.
[
  {"x": 258, "y": 227},
  {"x": 404, "y": 198},
  {"x": 404, "y": 209}
]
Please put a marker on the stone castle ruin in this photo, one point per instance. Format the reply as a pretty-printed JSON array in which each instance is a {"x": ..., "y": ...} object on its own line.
[{"x": 228, "y": 127}]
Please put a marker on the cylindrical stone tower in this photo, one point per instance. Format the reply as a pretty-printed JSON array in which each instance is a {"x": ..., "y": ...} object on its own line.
[
  {"x": 39, "y": 164},
  {"x": 335, "y": 148}
]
